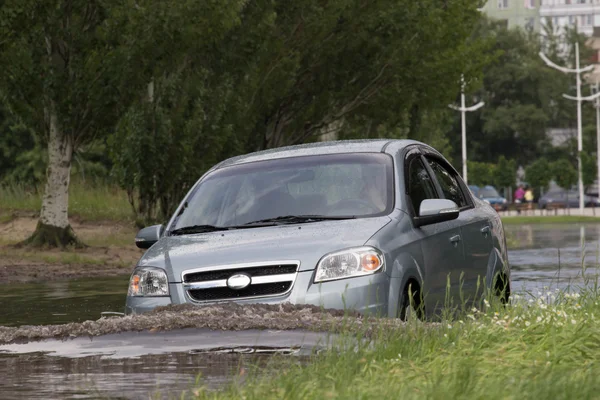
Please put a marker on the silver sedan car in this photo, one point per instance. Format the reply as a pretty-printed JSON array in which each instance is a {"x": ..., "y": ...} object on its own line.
[{"x": 384, "y": 227}]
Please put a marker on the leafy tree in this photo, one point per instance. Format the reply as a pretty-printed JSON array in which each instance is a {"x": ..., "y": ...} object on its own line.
[
  {"x": 538, "y": 174},
  {"x": 283, "y": 73},
  {"x": 480, "y": 173},
  {"x": 523, "y": 96},
  {"x": 505, "y": 173},
  {"x": 58, "y": 79},
  {"x": 564, "y": 173},
  {"x": 589, "y": 169},
  {"x": 72, "y": 67}
]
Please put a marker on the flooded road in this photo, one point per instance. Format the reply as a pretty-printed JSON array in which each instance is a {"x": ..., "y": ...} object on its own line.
[
  {"x": 142, "y": 365},
  {"x": 58, "y": 302},
  {"x": 552, "y": 256}
]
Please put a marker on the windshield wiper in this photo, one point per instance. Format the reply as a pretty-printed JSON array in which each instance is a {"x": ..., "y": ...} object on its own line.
[
  {"x": 293, "y": 219},
  {"x": 198, "y": 229}
]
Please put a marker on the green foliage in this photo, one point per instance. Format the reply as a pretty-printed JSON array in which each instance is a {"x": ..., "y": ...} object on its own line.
[
  {"x": 264, "y": 74},
  {"x": 505, "y": 173},
  {"x": 480, "y": 173},
  {"x": 501, "y": 175},
  {"x": 538, "y": 173},
  {"x": 589, "y": 168},
  {"x": 564, "y": 173},
  {"x": 523, "y": 96}
]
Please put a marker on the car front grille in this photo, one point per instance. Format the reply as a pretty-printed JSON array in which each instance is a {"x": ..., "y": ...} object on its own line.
[
  {"x": 252, "y": 271},
  {"x": 266, "y": 279},
  {"x": 260, "y": 290}
]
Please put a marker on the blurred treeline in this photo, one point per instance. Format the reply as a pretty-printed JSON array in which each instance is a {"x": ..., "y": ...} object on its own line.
[{"x": 152, "y": 93}]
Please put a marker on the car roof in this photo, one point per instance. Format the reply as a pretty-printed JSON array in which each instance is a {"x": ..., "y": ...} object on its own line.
[{"x": 319, "y": 148}]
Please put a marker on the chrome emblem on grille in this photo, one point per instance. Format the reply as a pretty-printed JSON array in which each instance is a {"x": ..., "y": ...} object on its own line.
[{"x": 238, "y": 281}]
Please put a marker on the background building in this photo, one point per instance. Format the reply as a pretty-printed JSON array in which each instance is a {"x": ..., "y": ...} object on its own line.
[
  {"x": 585, "y": 14},
  {"x": 515, "y": 13}
]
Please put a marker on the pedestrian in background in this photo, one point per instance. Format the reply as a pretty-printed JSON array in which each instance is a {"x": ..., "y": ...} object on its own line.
[
  {"x": 529, "y": 197},
  {"x": 519, "y": 197}
]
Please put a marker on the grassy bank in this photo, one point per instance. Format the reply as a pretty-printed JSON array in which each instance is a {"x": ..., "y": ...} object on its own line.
[
  {"x": 550, "y": 219},
  {"x": 89, "y": 202},
  {"x": 527, "y": 351}
]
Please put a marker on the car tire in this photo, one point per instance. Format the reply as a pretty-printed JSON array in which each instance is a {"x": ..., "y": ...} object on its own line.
[{"x": 408, "y": 309}]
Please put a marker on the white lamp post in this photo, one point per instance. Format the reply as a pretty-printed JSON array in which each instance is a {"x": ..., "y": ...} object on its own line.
[
  {"x": 577, "y": 71},
  {"x": 596, "y": 91},
  {"x": 463, "y": 110}
]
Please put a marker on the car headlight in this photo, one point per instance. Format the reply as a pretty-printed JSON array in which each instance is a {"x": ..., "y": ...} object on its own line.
[
  {"x": 503, "y": 201},
  {"x": 148, "y": 281},
  {"x": 349, "y": 263}
]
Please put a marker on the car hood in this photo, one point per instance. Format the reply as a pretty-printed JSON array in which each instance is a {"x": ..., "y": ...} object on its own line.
[{"x": 306, "y": 243}]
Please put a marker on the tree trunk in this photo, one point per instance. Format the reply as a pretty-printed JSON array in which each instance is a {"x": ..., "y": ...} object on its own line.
[{"x": 53, "y": 228}]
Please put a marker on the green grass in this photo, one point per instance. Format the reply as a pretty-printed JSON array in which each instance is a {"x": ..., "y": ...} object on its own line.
[
  {"x": 89, "y": 202},
  {"x": 551, "y": 219},
  {"x": 529, "y": 350},
  {"x": 65, "y": 258}
]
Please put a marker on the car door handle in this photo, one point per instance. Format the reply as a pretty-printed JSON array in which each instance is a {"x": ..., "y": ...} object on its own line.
[
  {"x": 485, "y": 230},
  {"x": 455, "y": 239}
]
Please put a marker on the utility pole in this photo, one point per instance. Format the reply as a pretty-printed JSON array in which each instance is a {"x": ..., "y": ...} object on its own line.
[
  {"x": 577, "y": 71},
  {"x": 596, "y": 91},
  {"x": 463, "y": 110}
]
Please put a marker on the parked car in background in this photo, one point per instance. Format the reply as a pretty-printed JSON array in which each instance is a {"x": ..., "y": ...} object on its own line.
[
  {"x": 376, "y": 226},
  {"x": 490, "y": 195},
  {"x": 567, "y": 199}
]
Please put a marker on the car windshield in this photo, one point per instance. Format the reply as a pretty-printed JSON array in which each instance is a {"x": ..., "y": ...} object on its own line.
[
  {"x": 354, "y": 185},
  {"x": 488, "y": 192}
]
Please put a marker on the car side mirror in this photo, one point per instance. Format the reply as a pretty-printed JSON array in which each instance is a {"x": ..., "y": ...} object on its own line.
[
  {"x": 147, "y": 236},
  {"x": 433, "y": 211}
]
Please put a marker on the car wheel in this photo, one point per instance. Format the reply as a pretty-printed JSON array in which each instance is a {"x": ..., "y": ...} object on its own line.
[{"x": 410, "y": 303}]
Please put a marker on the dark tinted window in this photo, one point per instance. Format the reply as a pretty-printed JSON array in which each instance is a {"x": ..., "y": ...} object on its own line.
[
  {"x": 448, "y": 182},
  {"x": 420, "y": 186}
]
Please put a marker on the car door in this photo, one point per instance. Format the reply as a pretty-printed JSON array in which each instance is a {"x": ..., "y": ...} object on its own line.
[
  {"x": 475, "y": 227},
  {"x": 442, "y": 250}
]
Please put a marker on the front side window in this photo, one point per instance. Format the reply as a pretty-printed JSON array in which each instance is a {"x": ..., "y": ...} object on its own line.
[
  {"x": 420, "y": 186},
  {"x": 448, "y": 183},
  {"x": 339, "y": 185}
]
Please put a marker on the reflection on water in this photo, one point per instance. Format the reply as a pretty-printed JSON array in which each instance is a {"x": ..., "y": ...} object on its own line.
[
  {"x": 142, "y": 365},
  {"x": 553, "y": 256},
  {"x": 58, "y": 302}
]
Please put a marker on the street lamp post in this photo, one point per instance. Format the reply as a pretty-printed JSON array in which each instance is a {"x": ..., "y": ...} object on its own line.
[
  {"x": 463, "y": 110},
  {"x": 577, "y": 71},
  {"x": 596, "y": 91}
]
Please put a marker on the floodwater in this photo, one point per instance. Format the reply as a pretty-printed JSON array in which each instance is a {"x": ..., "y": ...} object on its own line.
[
  {"x": 553, "y": 256},
  {"x": 59, "y": 302},
  {"x": 142, "y": 365}
]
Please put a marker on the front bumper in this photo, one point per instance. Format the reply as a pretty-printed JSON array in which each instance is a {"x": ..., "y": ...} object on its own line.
[{"x": 365, "y": 294}]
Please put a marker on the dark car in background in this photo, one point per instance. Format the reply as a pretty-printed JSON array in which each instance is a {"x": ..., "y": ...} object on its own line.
[
  {"x": 490, "y": 195},
  {"x": 566, "y": 198}
]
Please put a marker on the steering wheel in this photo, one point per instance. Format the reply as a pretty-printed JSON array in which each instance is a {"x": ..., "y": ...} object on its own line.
[{"x": 355, "y": 202}]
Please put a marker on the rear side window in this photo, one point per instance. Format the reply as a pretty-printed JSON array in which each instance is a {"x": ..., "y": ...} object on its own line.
[
  {"x": 448, "y": 183},
  {"x": 420, "y": 185}
]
